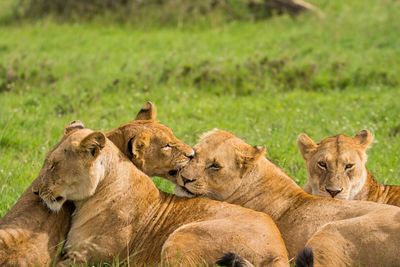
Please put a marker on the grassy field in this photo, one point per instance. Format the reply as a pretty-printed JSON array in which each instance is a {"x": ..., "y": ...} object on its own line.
[{"x": 266, "y": 81}]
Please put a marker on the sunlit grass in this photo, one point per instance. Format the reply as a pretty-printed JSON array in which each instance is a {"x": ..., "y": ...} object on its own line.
[{"x": 265, "y": 81}]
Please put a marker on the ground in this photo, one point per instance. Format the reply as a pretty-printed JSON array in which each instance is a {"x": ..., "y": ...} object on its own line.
[{"x": 266, "y": 81}]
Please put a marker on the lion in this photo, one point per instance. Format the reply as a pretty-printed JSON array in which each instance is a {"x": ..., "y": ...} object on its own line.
[
  {"x": 327, "y": 231},
  {"x": 23, "y": 243},
  {"x": 30, "y": 235},
  {"x": 336, "y": 168},
  {"x": 119, "y": 213},
  {"x": 150, "y": 145}
]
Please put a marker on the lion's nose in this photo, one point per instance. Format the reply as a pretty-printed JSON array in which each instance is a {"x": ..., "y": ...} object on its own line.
[
  {"x": 333, "y": 191},
  {"x": 187, "y": 180}
]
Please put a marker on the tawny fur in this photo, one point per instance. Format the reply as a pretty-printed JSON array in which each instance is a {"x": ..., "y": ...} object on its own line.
[
  {"x": 120, "y": 212},
  {"x": 354, "y": 182},
  {"x": 340, "y": 233},
  {"x": 150, "y": 145},
  {"x": 30, "y": 235}
]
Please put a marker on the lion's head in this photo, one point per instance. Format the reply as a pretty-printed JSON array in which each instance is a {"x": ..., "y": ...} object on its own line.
[
  {"x": 151, "y": 146},
  {"x": 336, "y": 165},
  {"x": 73, "y": 168},
  {"x": 217, "y": 169}
]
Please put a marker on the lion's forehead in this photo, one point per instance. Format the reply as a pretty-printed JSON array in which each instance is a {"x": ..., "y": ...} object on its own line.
[
  {"x": 216, "y": 141},
  {"x": 66, "y": 148},
  {"x": 166, "y": 137},
  {"x": 339, "y": 153},
  {"x": 220, "y": 151},
  {"x": 338, "y": 143},
  {"x": 154, "y": 129},
  {"x": 215, "y": 136}
]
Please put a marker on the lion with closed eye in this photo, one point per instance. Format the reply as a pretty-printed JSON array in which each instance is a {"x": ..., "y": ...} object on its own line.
[
  {"x": 120, "y": 213},
  {"x": 23, "y": 243},
  {"x": 328, "y": 232},
  {"x": 150, "y": 145},
  {"x": 30, "y": 234},
  {"x": 336, "y": 168}
]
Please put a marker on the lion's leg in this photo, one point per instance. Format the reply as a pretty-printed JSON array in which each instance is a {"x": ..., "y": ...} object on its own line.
[
  {"x": 203, "y": 243},
  {"x": 360, "y": 241},
  {"x": 101, "y": 248},
  {"x": 183, "y": 249},
  {"x": 330, "y": 248}
]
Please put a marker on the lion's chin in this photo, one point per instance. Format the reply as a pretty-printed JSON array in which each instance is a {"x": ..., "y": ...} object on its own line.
[
  {"x": 338, "y": 196},
  {"x": 181, "y": 191},
  {"x": 54, "y": 206}
]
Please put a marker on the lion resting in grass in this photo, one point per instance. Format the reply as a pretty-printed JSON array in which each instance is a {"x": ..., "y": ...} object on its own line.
[
  {"x": 121, "y": 214},
  {"x": 336, "y": 168},
  {"x": 329, "y": 232},
  {"x": 30, "y": 235}
]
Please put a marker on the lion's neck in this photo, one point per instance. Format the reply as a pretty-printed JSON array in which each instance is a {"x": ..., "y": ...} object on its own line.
[
  {"x": 127, "y": 207},
  {"x": 123, "y": 189},
  {"x": 268, "y": 189},
  {"x": 369, "y": 187},
  {"x": 377, "y": 192},
  {"x": 121, "y": 175}
]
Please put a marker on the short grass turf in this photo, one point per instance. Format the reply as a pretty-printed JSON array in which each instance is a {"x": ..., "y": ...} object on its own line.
[{"x": 265, "y": 81}]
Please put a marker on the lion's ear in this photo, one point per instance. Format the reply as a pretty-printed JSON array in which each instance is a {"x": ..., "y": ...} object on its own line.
[
  {"x": 72, "y": 126},
  {"x": 35, "y": 189},
  {"x": 147, "y": 112},
  {"x": 137, "y": 146},
  {"x": 364, "y": 138},
  {"x": 93, "y": 143},
  {"x": 248, "y": 156},
  {"x": 306, "y": 145}
]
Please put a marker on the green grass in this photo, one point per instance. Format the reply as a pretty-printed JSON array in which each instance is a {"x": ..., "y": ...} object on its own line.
[{"x": 265, "y": 81}]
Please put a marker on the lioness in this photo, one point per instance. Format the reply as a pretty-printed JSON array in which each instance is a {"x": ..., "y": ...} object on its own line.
[
  {"x": 336, "y": 168},
  {"x": 150, "y": 145},
  {"x": 120, "y": 212},
  {"x": 30, "y": 234},
  {"x": 338, "y": 233}
]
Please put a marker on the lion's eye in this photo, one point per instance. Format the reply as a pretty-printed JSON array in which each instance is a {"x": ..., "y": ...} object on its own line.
[
  {"x": 322, "y": 165},
  {"x": 53, "y": 166},
  {"x": 215, "y": 167},
  {"x": 349, "y": 166}
]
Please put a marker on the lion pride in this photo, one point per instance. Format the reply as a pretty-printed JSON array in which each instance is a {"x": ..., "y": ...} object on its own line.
[
  {"x": 120, "y": 213},
  {"x": 336, "y": 168},
  {"x": 329, "y": 232},
  {"x": 31, "y": 235}
]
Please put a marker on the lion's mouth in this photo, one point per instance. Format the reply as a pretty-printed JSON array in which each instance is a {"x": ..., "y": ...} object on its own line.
[
  {"x": 182, "y": 191},
  {"x": 187, "y": 191}
]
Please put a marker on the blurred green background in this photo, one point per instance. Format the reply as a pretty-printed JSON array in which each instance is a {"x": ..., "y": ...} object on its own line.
[{"x": 262, "y": 75}]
